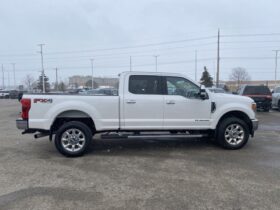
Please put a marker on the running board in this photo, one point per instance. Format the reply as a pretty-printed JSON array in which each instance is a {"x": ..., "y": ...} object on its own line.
[{"x": 149, "y": 136}]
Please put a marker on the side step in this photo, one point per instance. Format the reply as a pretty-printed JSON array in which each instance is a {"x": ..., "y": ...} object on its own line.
[{"x": 149, "y": 136}]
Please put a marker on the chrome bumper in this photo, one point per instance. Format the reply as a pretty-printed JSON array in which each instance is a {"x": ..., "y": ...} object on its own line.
[
  {"x": 22, "y": 124},
  {"x": 255, "y": 124}
]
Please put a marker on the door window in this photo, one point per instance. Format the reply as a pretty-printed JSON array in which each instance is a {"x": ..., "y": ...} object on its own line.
[
  {"x": 181, "y": 86},
  {"x": 144, "y": 84}
]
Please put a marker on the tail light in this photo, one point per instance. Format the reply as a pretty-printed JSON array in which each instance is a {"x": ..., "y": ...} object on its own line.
[
  {"x": 269, "y": 97},
  {"x": 26, "y": 105}
]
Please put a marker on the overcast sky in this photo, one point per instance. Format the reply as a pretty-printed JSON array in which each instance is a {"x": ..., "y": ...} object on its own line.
[{"x": 110, "y": 31}]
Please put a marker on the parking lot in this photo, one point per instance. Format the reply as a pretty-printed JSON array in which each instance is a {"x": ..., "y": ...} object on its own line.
[{"x": 137, "y": 174}]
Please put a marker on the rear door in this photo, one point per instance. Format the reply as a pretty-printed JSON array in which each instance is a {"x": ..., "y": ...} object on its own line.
[
  {"x": 143, "y": 102},
  {"x": 183, "y": 107}
]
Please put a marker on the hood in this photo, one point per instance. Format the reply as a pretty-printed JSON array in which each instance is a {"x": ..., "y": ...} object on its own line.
[{"x": 231, "y": 97}]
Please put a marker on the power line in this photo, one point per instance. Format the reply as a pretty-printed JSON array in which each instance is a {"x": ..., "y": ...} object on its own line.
[
  {"x": 251, "y": 35},
  {"x": 135, "y": 46}
]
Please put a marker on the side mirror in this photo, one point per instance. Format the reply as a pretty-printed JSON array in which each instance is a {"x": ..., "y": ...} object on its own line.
[
  {"x": 203, "y": 94},
  {"x": 272, "y": 91}
]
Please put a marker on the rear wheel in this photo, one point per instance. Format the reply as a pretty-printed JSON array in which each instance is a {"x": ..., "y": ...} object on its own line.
[
  {"x": 73, "y": 139},
  {"x": 279, "y": 105},
  {"x": 233, "y": 133}
]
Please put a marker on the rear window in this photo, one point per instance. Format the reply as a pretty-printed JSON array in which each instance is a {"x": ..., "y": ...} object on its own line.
[
  {"x": 256, "y": 90},
  {"x": 142, "y": 84}
]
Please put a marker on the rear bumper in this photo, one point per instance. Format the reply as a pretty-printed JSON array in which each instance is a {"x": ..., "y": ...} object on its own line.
[{"x": 22, "y": 124}]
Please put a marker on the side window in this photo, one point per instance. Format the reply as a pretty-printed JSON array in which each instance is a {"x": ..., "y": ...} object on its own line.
[
  {"x": 181, "y": 86},
  {"x": 277, "y": 90},
  {"x": 144, "y": 84}
]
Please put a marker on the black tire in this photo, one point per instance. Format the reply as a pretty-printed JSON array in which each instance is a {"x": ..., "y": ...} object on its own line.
[
  {"x": 279, "y": 105},
  {"x": 223, "y": 136},
  {"x": 266, "y": 109},
  {"x": 73, "y": 139}
]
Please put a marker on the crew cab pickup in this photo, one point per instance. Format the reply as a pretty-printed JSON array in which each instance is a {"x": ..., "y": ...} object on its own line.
[{"x": 148, "y": 105}]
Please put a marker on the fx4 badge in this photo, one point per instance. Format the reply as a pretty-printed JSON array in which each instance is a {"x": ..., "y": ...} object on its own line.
[{"x": 42, "y": 100}]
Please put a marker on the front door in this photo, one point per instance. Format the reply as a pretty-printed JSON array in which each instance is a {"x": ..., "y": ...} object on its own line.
[
  {"x": 183, "y": 107},
  {"x": 143, "y": 103}
]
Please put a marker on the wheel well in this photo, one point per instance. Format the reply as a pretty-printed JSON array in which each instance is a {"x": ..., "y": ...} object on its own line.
[
  {"x": 72, "y": 115},
  {"x": 240, "y": 115}
]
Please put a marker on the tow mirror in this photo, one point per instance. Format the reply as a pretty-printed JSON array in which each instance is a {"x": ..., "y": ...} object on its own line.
[{"x": 203, "y": 94}]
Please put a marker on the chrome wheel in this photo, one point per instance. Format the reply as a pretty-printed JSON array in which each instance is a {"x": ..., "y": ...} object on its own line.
[
  {"x": 234, "y": 134},
  {"x": 73, "y": 140}
]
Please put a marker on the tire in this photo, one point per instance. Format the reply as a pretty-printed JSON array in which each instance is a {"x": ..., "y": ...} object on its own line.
[
  {"x": 279, "y": 105},
  {"x": 266, "y": 109},
  {"x": 73, "y": 139},
  {"x": 235, "y": 140}
]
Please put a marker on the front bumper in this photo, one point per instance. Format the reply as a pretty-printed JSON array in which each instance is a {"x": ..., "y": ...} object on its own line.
[
  {"x": 22, "y": 124},
  {"x": 255, "y": 124}
]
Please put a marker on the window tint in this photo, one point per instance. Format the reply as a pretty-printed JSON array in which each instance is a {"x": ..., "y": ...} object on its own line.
[
  {"x": 142, "y": 84},
  {"x": 277, "y": 90},
  {"x": 181, "y": 86},
  {"x": 256, "y": 90}
]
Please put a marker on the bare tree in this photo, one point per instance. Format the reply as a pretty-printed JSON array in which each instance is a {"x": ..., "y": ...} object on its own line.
[
  {"x": 239, "y": 75},
  {"x": 28, "y": 81}
]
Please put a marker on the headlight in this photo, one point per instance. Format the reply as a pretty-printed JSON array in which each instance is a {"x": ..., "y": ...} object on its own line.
[{"x": 254, "y": 107}]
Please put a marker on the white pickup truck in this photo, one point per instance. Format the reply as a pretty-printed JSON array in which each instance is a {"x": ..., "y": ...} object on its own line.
[{"x": 148, "y": 105}]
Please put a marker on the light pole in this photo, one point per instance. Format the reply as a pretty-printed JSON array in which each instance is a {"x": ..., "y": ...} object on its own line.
[
  {"x": 92, "y": 72},
  {"x": 42, "y": 63},
  {"x": 195, "y": 67},
  {"x": 14, "y": 71},
  {"x": 156, "y": 56},
  {"x": 56, "y": 81},
  {"x": 275, "y": 73},
  {"x": 3, "y": 79},
  {"x": 130, "y": 63}
]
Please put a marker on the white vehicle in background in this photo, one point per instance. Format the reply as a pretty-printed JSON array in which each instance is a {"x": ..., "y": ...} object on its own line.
[
  {"x": 4, "y": 94},
  {"x": 145, "y": 103},
  {"x": 276, "y": 98}
]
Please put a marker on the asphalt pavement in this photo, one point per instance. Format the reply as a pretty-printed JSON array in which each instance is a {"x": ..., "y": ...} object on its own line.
[{"x": 139, "y": 174}]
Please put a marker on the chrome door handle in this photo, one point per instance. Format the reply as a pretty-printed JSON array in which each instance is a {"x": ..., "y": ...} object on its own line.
[
  {"x": 170, "y": 102},
  {"x": 131, "y": 102}
]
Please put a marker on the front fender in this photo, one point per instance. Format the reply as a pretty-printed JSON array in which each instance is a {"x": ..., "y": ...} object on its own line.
[{"x": 226, "y": 108}]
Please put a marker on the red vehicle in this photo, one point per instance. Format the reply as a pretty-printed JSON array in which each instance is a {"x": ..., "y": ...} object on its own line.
[{"x": 259, "y": 93}]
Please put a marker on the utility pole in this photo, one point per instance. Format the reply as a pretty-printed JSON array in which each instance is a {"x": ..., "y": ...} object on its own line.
[
  {"x": 195, "y": 67},
  {"x": 92, "y": 72},
  {"x": 156, "y": 56},
  {"x": 130, "y": 63},
  {"x": 42, "y": 62},
  {"x": 275, "y": 73},
  {"x": 8, "y": 79},
  {"x": 3, "y": 79},
  {"x": 218, "y": 60},
  {"x": 14, "y": 71},
  {"x": 56, "y": 81}
]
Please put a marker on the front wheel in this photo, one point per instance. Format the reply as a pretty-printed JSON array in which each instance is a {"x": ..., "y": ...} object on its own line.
[
  {"x": 233, "y": 133},
  {"x": 73, "y": 139}
]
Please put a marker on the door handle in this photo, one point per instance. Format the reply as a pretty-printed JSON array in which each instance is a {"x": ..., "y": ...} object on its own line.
[
  {"x": 131, "y": 102},
  {"x": 170, "y": 102}
]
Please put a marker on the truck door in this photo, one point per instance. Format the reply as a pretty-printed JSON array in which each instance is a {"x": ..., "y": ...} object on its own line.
[
  {"x": 183, "y": 107},
  {"x": 143, "y": 102}
]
